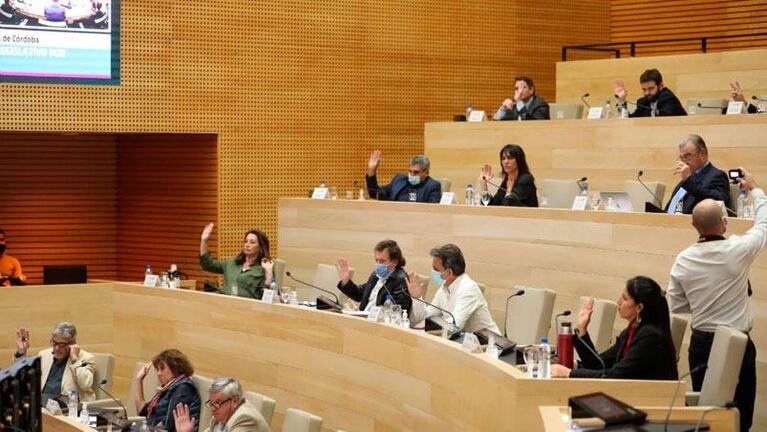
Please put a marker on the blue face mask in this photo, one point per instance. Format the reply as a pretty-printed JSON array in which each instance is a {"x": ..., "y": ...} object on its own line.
[
  {"x": 413, "y": 180},
  {"x": 382, "y": 270},
  {"x": 437, "y": 276},
  {"x": 520, "y": 105}
]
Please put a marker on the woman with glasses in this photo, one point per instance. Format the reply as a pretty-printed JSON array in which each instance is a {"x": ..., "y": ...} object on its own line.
[{"x": 174, "y": 371}]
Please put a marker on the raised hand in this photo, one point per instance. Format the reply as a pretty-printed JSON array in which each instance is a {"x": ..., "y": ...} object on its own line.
[
  {"x": 736, "y": 93},
  {"x": 414, "y": 285},
  {"x": 375, "y": 159},
  {"x": 22, "y": 341},
  {"x": 143, "y": 372},
  {"x": 342, "y": 266},
  {"x": 184, "y": 422},
  {"x": 206, "y": 232},
  {"x": 584, "y": 317},
  {"x": 620, "y": 89},
  {"x": 747, "y": 181},
  {"x": 486, "y": 171},
  {"x": 74, "y": 352},
  {"x": 267, "y": 264}
]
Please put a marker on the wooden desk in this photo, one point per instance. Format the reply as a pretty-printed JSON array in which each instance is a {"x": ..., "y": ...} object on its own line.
[
  {"x": 720, "y": 420},
  {"x": 53, "y": 423},
  {"x": 358, "y": 376}
]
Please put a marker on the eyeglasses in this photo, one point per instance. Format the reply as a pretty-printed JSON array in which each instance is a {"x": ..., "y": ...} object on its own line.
[
  {"x": 217, "y": 405},
  {"x": 57, "y": 344}
]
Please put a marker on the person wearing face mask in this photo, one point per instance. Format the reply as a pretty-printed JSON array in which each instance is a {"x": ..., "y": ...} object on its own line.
[
  {"x": 248, "y": 273},
  {"x": 388, "y": 278},
  {"x": 526, "y": 105},
  {"x": 457, "y": 293},
  {"x": 229, "y": 411},
  {"x": 658, "y": 100},
  {"x": 700, "y": 179},
  {"x": 65, "y": 366},
  {"x": 416, "y": 186},
  {"x": 644, "y": 350},
  {"x": 710, "y": 280},
  {"x": 518, "y": 186},
  {"x": 10, "y": 267}
]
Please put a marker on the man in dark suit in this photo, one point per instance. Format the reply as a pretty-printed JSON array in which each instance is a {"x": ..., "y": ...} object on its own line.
[
  {"x": 658, "y": 100},
  {"x": 417, "y": 186},
  {"x": 525, "y": 105},
  {"x": 700, "y": 178},
  {"x": 388, "y": 279}
]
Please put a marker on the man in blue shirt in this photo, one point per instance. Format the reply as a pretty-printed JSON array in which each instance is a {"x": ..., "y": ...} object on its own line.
[{"x": 416, "y": 186}]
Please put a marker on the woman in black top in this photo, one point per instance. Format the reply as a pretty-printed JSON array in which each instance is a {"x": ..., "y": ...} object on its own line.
[
  {"x": 644, "y": 350},
  {"x": 518, "y": 186}
]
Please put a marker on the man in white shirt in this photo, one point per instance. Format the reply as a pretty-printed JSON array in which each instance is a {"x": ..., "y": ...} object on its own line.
[
  {"x": 457, "y": 293},
  {"x": 710, "y": 280}
]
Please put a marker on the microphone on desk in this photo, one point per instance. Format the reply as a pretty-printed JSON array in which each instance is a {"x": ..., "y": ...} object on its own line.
[
  {"x": 699, "y": 368},
  {"x": 583, "y": 99},
  {"x": 577, "y": 334},
  {"x": 581, "y": 183},
  {"x": 322, "y": 301},
  {"x": 727, "y": 405},
  {"x": 639, "y": 178},
  {"x": 700, "y": 105},
  {"x": 564, "y": 313},
  {"x": 506, "y": 315},
  {"x": 759, "y": 99},
  {"x": 100, "y": 386}
]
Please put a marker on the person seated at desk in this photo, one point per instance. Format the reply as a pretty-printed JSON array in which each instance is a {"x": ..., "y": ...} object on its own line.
[
  {"x": 10, "y": 267},
  {"x": 700, "y": 178},
  {"x": 388, "y": 279},
  {"x": 417, "y": 186},
  {"x": 174, "y": 371},
  {"x": 246, "y": 274},
  {"x": 525, "y": 105},
  {"x": 736, "y": 95},
  {"x": 55, "y": 12},
  {"x": 644, "y": 350},
  {"x": 457, "y": 293},
  {"x": 658, "y": 100},
  {"x": 65, "y": 367},
  {"x": 230, "y": 411},
  {"x": 518, "y": 186}
]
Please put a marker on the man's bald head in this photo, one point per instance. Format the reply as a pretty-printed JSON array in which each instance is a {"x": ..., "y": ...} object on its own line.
[{"x": 707, "y": 218}]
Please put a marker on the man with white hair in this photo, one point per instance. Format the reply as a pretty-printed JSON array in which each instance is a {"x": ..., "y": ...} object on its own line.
[
  {"x": 230, "y": 411},
  {"x": 65, "y": 366}
]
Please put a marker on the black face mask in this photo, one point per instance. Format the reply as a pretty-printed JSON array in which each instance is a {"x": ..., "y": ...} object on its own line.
[{"x": 2, "y": 248}]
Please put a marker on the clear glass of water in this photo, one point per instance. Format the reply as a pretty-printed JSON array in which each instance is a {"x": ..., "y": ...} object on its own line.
[
  {"x": 349, "y": 194},
  {"x": 285, "y": 294},
  {"x": 485, "y": 198},
  {"x": 333, "y": 192},
  {"x": 532, "y": 356}
]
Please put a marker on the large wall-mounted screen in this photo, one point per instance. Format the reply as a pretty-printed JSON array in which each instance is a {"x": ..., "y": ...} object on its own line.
[{"x": 60, "y": 41}]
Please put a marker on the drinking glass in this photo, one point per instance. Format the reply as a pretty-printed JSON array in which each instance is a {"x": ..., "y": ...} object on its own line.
[
  {"x": 285, "y": 294},
  {"x": 485, "y": 198},
  {"x": 333, "y": 192},
  {"x": 595, "y": 201},
  {"x": 349, "y": 194},
  {"x": 532, "y": 356}
]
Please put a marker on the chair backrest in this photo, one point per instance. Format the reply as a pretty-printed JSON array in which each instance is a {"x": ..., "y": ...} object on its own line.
[
  {"x": 678, "y": 328},
  {"x": 202, "y": 384},
  {"x": 602, "y": 321},
  {"x": 326, "y": 276},
  {"x": 491, "y": 187},
  {"x": 104, "y": 364},
  {"x": 301, "y": 421},
  {"x": 279, "y": 270},
  {"x": 560, "y": 193},
  {"x": 639, "y": 195},
  {"x": 445, "y": 183},
  {"x": 563, "y": 111},
  {"x": 264, "y": 404},
  {"x": 151, "y": 382},
  {"x": 734, "y": 192},
  {"x": 706, "y": 106},
  {"x": 723, "y": 367},
  {"x": 528, "y": 317}
]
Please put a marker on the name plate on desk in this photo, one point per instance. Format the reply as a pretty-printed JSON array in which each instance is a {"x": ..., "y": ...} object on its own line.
[
  {"x": 268, "y": 296},
  {"x": 375, "y": 314},
  {"x": 595, "y": 113},
  {"x": 736, "y": 107},
  {"x": 151, "y": 280},
  {"x": 477, "y": 116},
  {"x": 580, "y": 202},
  {"x": 448, "y": 198},
  {"x": 320, "y": 193}
]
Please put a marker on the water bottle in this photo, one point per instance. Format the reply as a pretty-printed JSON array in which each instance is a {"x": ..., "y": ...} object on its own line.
[
  {"x": 544, "y": 370},
  {"x": 405, "y": 322},
  {"x": 492, "y": 348},
  {"x": 148, "y": 270},
  {"x": 469, "y": 109},
  {"x": 273, "y": 284},
  {"x": 611, "y": 204},
  {"x": 175, "y": 279},
  {"x": 565, "y": 345},
  {"x": 85, "y": 416},
  {"x": 742, "y": 203},
  {"x": 607, "y": 110},
  {"x": 323, "y": 184},
  {"x": 72, "y": 403},
  {"x": 469, "y": 194},
  {"x": 387, "y": 308}
]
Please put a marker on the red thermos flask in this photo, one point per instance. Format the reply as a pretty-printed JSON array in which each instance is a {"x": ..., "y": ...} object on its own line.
[{"x": 565, "y": 345}]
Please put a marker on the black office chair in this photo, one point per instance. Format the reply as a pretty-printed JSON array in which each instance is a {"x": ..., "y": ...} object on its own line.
[{"x": 65, "y": 274}]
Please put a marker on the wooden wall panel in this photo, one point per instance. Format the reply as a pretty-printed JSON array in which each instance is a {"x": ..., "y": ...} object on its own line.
[
  {"x": 58, "y": 201},
  {"x": 638, "y": 20},
  {"x": 302, "y": 91},
  {"x": 167, "y": 192}
]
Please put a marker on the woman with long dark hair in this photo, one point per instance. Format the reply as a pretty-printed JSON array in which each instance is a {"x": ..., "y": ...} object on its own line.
[
  {"x": 518, "y": 186},
  {"x": 644, "y": 350},
  {"x": 248, "y": 273}
]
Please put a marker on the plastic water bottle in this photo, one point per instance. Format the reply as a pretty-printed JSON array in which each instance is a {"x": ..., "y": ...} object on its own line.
[
  {"x": 148, "y": 270},
  {"x": 387, "y": 308},
  {"x": 273, "y": 284},
  {"x": 611, "y": 204},
  {"x": 469, "y": 109},
  {"x": 742, "y": 203},
  {"x": 405, "y": 322},
  {"x": 469, "y": 194},
  {"x": 85, "y": 416},
  {"x": 544, "y": 370},
  {"x": 492, "y": 348},
  {"x": 72, "y": 404},
  {"x": 607, "y": 110}
]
